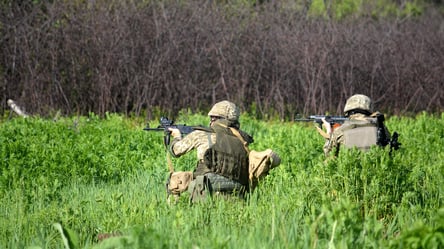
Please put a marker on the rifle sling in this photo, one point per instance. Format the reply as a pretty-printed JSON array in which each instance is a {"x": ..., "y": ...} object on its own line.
[
  {"x": 238, "y": 135},
  {"x": 169, "y": 162}
]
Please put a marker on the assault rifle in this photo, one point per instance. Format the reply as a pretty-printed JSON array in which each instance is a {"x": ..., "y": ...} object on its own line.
[
  {"x": 164, "y": 126},
  {"x": 318, "y": 119},
  {"x": 382, "y": 139}
]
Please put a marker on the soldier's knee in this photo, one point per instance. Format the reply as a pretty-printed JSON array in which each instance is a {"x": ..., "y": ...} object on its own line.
[{"x": 200, "y": 189}]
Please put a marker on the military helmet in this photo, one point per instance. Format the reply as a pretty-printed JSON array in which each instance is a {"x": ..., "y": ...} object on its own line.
[
  {"x": 358, "y": 102},
  {"x": 225, "y": 109}
]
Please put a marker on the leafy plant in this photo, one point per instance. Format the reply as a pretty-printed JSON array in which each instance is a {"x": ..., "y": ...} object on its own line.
[{"x": 98, "y": 175}]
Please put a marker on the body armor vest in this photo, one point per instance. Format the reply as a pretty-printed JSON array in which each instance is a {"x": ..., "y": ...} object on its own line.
[
  {"x": 227, "y": 157},
  {"x": 360, "y": 134}
]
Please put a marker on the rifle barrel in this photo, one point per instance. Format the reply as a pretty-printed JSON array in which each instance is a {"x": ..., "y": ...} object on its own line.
[{"x": 153, "y": 129}]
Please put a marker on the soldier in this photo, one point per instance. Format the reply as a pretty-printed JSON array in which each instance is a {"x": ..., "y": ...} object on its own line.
[
  {"x": 364, "y": 128},
  {"x": 222, "y": 153}
]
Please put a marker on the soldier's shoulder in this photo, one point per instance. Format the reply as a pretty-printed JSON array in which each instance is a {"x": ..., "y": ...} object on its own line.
[{"x": 200, "y": 132}]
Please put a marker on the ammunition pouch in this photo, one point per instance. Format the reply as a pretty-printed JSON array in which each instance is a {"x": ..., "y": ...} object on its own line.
[{"x": 178, "y": 182}]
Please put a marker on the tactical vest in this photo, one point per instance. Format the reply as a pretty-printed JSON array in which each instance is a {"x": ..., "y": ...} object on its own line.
[
  {"x": 361, "y": 134},
  {"x": 227, "y": 157}
]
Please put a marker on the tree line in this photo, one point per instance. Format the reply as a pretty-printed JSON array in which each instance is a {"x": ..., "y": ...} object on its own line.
[{"x": 150, "y": 57}]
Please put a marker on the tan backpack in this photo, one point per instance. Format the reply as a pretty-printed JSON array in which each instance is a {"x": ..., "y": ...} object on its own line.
[{"x": 261, "y": 162}]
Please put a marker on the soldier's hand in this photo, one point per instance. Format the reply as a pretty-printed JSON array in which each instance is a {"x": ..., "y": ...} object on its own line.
[
  {"x": 322, "y": 132},
  {"x": 175, "y": 132}
]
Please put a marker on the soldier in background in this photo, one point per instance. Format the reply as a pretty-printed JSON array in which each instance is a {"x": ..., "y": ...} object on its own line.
[
  {"x": 222, "y": 154},
  {"x": 363, "y": 130}
]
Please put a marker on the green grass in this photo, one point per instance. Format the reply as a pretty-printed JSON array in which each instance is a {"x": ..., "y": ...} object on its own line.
[{"x": 103, "y": 175}]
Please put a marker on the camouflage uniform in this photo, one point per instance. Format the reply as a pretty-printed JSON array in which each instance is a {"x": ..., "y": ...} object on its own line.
[
  {"x": 203, "y": 140},
  {"x": 358, "y": 109},
  {"x": 337, "y": 137},
  {"x": 199, "y": 139}
]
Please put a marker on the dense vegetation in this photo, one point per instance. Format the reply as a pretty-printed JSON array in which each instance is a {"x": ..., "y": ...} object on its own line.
[
  {"x": 106, "y": 175},
  {"x": 92, "y": 72},
  {"x": 274, "y": 58}
]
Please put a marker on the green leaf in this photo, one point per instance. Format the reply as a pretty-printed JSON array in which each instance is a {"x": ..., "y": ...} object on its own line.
[{"x": 69, "y": 237}]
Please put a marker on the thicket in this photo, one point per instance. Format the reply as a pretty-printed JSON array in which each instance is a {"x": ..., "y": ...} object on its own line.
[
  {"x": 274, "y": 58},
  {"x": 106, "y": 175}
]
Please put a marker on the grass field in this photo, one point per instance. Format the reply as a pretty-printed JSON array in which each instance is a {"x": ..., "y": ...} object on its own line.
[{"x": 106, "y": 175}]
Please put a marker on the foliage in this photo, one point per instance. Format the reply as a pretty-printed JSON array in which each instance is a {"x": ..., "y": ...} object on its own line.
[
  {"x": 81, "y": 178},
  {"x": 35, "y": 150},
  {"x": 422, "y": 235},
  {"x": 346, "y": 9}
]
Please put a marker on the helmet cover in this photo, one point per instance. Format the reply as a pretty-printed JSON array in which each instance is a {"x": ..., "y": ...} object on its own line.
[
  {"x": 225, "y": 109},
  {"x": 358, "y": 102}
]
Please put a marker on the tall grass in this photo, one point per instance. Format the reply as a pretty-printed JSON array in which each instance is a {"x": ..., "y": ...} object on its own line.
[{"x": 107, "y": 175}]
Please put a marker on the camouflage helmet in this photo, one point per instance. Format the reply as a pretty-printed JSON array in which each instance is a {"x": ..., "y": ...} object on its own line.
[
  {"x": 358, "y": 102},
  {"x": 225, "y": 109}
]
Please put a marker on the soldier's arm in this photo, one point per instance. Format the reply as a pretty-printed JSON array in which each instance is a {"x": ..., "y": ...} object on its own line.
[{"x": 182, "y": 145}]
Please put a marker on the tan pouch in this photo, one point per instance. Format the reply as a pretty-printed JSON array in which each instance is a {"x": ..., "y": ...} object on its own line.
[
  {"x": 261, "y": 162},
  {"x": 179, "y": 182}
]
